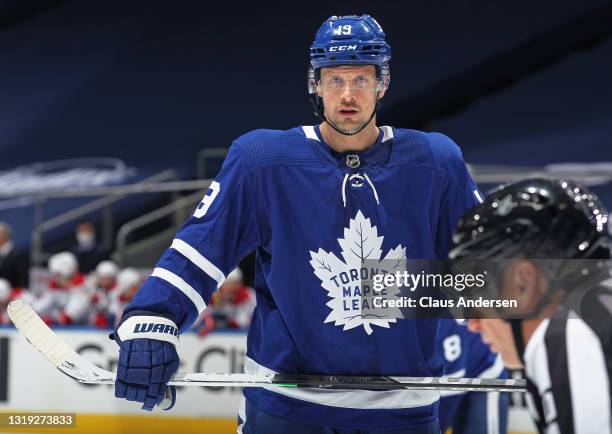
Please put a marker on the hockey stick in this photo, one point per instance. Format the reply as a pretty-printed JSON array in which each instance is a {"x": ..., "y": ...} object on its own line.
[{"x": 77, "y": 367}]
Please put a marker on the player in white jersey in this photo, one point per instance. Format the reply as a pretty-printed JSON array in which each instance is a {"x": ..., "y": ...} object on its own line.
[
  {"x": 66, "y": 299},
  {"x": 550, "y": 245},
  {"x": 7, "y": 294},
  {"x": 128, "y": 281},
  {"x": 102, "y": 283}
]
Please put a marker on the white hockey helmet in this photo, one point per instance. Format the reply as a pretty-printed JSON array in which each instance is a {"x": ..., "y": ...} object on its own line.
[
  {"x": 63, "y": 264},
  {"x": 5, "y": 290},
  {"x": 107, "y": 269},
  {"x": 127, "y": 278},
  {"x": 234, "y": 276}
]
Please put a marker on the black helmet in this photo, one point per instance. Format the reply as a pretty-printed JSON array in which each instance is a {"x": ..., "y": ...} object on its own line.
[
  {"x": 557, "y": 224},
  {"x": 537, "y": 219}
]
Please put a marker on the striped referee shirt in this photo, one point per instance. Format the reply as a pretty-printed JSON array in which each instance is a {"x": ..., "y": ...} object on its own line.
[{"x": 568, "y": 364}]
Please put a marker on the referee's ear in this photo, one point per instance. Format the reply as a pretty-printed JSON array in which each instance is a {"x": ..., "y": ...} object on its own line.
[{"x": 527, "y": 284}]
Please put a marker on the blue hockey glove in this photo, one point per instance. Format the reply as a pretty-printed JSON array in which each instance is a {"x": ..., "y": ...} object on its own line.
[{"x": 147, "y": 361}]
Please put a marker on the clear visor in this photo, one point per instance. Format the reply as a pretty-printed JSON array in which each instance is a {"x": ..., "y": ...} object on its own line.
[{"x": 361, "y": 83}]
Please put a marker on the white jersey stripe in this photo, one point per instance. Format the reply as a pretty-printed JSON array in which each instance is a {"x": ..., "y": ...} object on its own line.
[
  {"x": 457, "y": 374},
  {"x": 587, "y": 367},
  {"x": 495, "y": 370},
  {"x": 242, "y": 414},
  {"x": 387, "y": 133},
  {"x": 493, "y": 413},
  {"x": 359, "y": 399},
  {"x": 200, "y": 261},
  {"x": 310, "y": 133},
  {"x": 536, "y": 369},
  {"x": 179, "y": 283}
]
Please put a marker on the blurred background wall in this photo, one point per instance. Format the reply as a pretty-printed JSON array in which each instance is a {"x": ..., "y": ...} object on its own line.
[{"x": 153, "y": 83}]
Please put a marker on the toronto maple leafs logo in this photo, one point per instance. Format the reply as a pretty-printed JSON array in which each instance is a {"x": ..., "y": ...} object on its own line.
[{"x": 348, "y": 281}]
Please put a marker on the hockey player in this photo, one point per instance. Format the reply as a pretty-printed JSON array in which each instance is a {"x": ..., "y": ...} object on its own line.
[
  {"x": 102, "y": 284},
  {"x": 7, "y": 294},
  {"x": 315, "y": 202},
  {"x": 66, "y": 300},
  {"x": 127, "y": 283},
  {"x": 234, "y": 302},
  {"x": 550, "y": 243},
  {"x": 230, "y": 307},
  {"x": 465, "y": 355}
]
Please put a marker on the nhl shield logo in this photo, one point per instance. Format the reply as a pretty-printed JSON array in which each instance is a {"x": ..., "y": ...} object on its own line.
[{"x": 352, "y": 161}]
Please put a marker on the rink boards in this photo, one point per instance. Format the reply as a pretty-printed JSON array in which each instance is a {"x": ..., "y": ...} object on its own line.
[{"x": 29, "y": 383}]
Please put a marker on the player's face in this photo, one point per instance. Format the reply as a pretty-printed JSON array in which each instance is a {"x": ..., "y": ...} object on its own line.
[
  {"x": 497, "y": 334},
  {"x": 349, "y": 95},
  {"x": 230, "y": 288},
  {"x": 106, "y": 282},
  {"x": 62, "y": 281}
]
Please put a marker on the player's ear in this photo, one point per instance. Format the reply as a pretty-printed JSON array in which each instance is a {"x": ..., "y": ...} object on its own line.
[
  {"x": 318, "y": 79},
  {"x": 383, "y": 82}
]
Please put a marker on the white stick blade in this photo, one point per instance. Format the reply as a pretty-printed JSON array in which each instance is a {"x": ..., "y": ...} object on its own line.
[{"x": 52, "y": 347}]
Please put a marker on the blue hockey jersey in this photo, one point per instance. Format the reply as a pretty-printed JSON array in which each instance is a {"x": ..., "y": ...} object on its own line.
[
  {"x": 313, "y": 215},
  {"x": 465, "y": 355}
]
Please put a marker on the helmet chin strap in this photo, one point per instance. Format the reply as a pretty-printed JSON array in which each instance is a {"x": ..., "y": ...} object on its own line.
[{"x": 517, "y": 334}]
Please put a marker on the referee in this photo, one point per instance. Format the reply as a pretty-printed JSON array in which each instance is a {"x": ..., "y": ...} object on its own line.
[{"x": 545, "y": 243}]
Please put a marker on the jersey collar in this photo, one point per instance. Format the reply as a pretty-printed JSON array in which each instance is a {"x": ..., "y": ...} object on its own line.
[{"x": 376, "y": 155}]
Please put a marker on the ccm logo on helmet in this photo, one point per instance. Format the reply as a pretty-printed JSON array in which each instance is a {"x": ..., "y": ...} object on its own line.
[
  {"x": 343, "y": 48},
  {"x": 155, "y": 328}
]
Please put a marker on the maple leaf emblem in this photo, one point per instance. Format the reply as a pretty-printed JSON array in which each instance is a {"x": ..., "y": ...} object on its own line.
[{"x": 348, "y": 280}]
